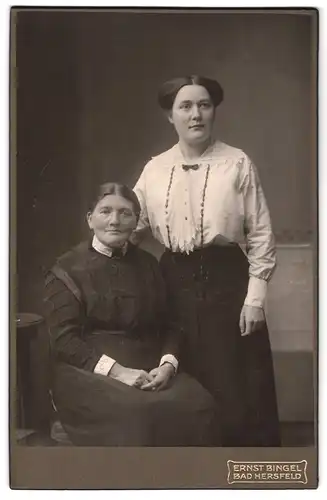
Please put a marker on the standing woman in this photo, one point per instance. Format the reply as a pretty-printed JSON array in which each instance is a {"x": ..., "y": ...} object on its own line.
[{"x": 202, "y": 199}]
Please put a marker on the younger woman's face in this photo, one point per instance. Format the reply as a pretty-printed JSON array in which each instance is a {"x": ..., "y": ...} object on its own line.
[
  {"x": 193, "y": 114},
  {"x": 112, "y": 220}
]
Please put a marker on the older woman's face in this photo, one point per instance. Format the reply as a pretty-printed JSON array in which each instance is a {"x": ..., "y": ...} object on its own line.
[
  {"x": 193, "y": 114},
  {"x": 112, "y": 220}
]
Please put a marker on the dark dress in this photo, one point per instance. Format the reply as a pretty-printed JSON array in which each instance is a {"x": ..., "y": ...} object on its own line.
[
  {"x": 206, "y": 291},
  {"x": 98, "y": 305}
]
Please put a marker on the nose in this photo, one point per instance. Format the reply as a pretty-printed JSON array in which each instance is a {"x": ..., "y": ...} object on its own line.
[
  {"x": 114, "y": 218},
  {"x": 196, "y": 114}
]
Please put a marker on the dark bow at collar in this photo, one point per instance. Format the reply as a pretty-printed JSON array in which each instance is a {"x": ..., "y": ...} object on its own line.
[{"x": 190, "y": 167}]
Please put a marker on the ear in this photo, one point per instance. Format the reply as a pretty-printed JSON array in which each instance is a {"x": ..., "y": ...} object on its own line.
[
  {"x": 89, "y": 219},
  {"x": 169, "y": 116}
]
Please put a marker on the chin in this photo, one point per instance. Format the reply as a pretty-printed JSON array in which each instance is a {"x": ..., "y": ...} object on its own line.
[
  {"x": 113, "y": 241},
  {"x": 198, "y": 138},
  {"x": 117, "y": 242}
]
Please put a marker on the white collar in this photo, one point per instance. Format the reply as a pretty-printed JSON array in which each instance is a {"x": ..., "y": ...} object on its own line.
[
  {"x": 214, "y": 148},
  {"x": 101, "y": 248}
]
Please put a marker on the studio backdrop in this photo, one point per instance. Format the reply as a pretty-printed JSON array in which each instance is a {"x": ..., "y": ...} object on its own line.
[{"x": 86, "y": 112}]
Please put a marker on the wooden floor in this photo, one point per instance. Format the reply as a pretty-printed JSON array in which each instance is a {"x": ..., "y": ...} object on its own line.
[{"x": 293, "y": 435}]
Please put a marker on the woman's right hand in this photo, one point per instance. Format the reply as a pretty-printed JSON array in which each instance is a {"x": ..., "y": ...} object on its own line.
[{"x": 130, "y": 376}]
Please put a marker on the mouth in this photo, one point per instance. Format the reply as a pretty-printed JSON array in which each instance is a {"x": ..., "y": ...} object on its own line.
[
  {"x": 113, "y": 231},
  {"x": 199, "y": 126}
]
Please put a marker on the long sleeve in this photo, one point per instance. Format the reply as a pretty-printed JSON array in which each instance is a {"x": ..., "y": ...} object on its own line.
[
  {"x": 64, "y": 316},
  {"x": 260, "y": 244}
]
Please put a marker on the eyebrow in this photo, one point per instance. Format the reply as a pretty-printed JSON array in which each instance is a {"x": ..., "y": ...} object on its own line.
[
  {"x": 118, "y": 209},
  {"x": 187, "y": 101}
]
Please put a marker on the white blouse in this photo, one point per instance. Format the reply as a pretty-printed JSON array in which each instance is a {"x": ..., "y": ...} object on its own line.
[{"x": 219, "y": 201}]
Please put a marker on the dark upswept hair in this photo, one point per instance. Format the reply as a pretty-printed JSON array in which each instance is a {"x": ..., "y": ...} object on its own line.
[
  {"x": 170, "y": 89},
  {"x": 118, "y": 189}
]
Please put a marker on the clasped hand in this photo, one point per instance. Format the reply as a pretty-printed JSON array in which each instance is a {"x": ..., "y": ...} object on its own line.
[{"x": 157, "y": 379}]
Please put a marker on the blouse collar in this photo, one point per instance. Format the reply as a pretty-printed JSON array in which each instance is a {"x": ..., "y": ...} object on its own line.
[
  {"x": 209, "y": 154},
  {"x": 104, "y": 250}
]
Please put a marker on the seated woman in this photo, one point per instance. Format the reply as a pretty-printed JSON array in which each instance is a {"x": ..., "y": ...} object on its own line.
[{"x": 115, "y": 351}]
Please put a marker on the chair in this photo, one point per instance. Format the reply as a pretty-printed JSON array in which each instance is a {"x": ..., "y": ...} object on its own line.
[
  {"x": 36, "y": 416},
  {"x": 31, "y": 408}
]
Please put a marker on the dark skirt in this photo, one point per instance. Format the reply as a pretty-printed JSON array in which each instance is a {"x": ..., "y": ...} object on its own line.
[
  {"x": 206, "y": 292},
  {"x": 99, "y": 411}
]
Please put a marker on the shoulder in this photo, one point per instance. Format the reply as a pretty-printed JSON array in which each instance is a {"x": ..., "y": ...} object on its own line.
[
  {"x": 234, "y": 157},
  {"x": 75, "y": 256},
  {"x": 228, "y": 152},
  {"x": 66, "y": 262},
  {"x": 62, "y": 275},
  {"x": 144, "y": 256},
  {"x": 169, "y": 154},
  {"x": 162, "y": 159},
  {"x": 156, "y": 168},
  {"x": 70, "y": 267}
]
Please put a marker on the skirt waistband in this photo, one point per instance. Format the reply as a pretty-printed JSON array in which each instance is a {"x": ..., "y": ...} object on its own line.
[
  {"x": 212, "y": 261},
  {"x": 209, "y": 249}
]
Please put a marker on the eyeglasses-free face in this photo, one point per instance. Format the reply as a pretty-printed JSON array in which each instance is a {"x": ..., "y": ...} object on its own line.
[
  {"x": 112, "y": 220},
  {"x": 193, "y": 114}
]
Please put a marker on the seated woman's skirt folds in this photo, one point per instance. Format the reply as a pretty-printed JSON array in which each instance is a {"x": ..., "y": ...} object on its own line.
[{"x": 97, "y": 305}]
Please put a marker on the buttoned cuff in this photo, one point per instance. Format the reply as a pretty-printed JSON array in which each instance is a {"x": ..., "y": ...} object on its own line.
[
  {"x": 104, "y": 365},
  {"x": 257, "y": 291},
  {"x": 169, "y": 358}
]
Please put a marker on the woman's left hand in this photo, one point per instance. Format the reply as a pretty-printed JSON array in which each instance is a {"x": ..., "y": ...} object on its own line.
[
  {"x": 162, "y": 375},
  {"x": 252, "y": 319}
]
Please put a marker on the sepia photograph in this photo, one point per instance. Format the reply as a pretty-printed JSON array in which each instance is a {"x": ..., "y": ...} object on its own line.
[{"x": 163, "y": 248}]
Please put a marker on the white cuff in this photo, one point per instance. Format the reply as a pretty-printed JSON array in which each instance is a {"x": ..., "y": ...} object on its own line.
[
  {"x": 169, "y": 358},
  {"x": 257, "y": 291},
  {"x": 104, "y": 365}
]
